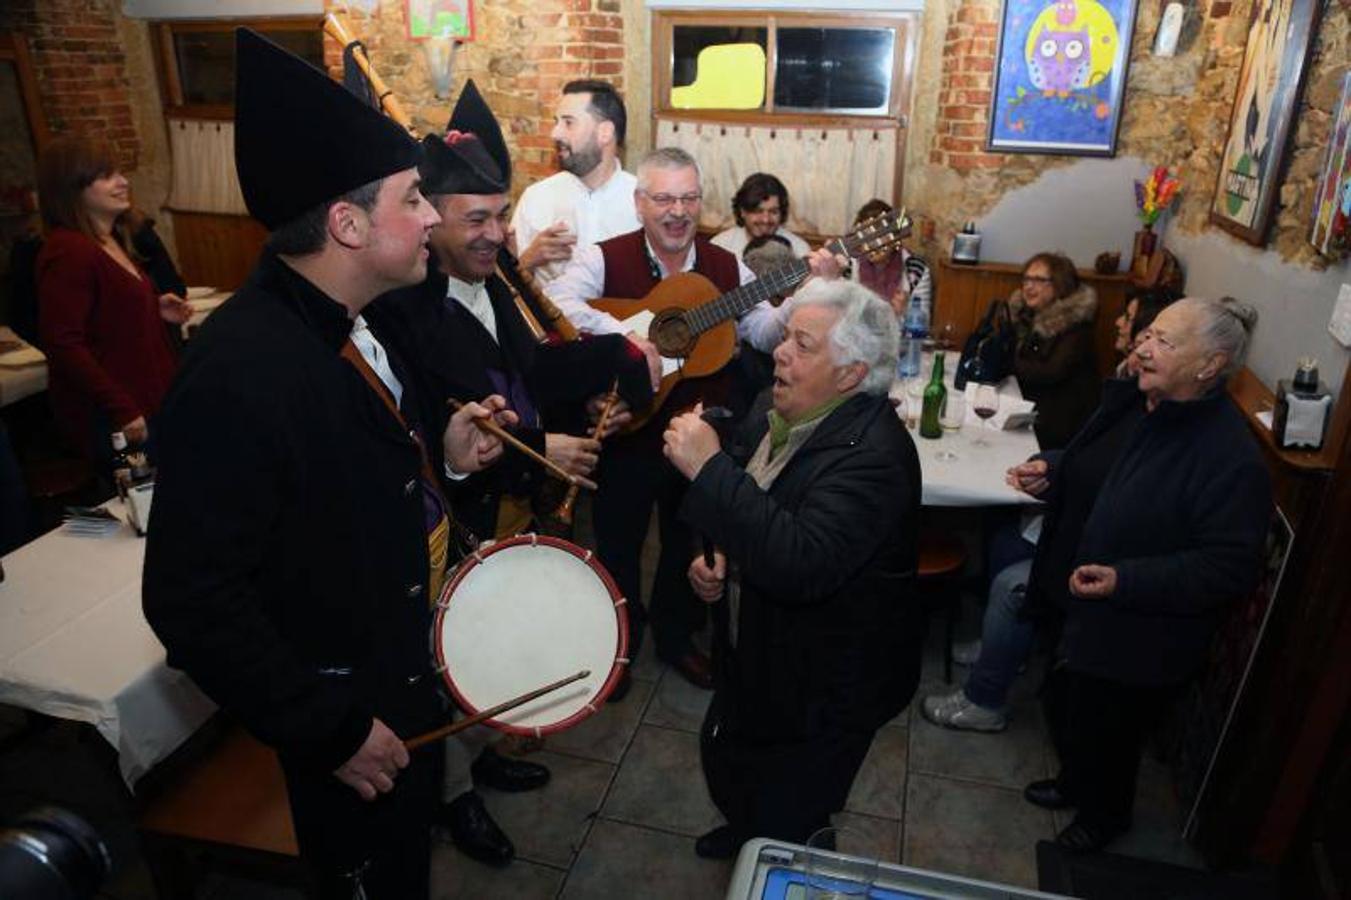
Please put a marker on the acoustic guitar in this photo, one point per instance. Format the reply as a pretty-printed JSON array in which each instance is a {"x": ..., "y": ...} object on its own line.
[{"x": 694, "y": 324}]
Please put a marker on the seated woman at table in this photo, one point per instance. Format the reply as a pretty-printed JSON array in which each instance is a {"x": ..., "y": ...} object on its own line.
[
  {"x": 101, "y": 318},
  {"x": 1156, "y": 518},
  {"x": 1054, "y": 361},
  {"x": 893, "y": 273},
  {"x": 1139, "y": 313}
]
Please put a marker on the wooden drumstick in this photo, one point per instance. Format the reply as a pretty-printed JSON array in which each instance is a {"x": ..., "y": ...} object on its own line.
[
  {"x": 488, "y": 425},
  {"x": 476, "y": 718}
]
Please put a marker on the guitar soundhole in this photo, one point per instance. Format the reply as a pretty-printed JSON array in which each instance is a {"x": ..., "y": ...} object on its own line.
[{"x": 671, "y": 333}]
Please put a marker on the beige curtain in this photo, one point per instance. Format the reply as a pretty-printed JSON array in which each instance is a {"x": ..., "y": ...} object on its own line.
[
  {"x": 204, "y": 167},
  {"x": 829, "y": 172}
]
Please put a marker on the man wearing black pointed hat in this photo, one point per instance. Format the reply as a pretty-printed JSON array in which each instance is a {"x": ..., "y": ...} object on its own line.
[
  {"x": 465, "y": 337},
  {"x": 299, "y": 529}
]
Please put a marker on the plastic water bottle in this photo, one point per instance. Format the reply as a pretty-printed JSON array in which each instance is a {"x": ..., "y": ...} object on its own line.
[{"x": 913, "y": 331}]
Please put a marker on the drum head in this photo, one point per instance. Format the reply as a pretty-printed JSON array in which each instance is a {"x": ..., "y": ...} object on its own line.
[{"x": 521, "y": 614}]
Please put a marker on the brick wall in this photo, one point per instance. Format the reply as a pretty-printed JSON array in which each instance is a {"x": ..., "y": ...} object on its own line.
[
  {"x": 81, "y": 68},
  {"x": 524, "y": 52},
  {"x": 964, "y": 88}
]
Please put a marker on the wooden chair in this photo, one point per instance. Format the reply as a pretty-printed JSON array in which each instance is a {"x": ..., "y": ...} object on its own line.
[
  {"x": 227, "y": 811},
  {"x": 941, "y": 560}
]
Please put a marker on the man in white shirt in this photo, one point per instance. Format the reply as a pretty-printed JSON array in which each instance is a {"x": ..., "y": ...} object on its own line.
[
  {"x": 591, "y": 199},
  {"x": 760, "y": 207}
]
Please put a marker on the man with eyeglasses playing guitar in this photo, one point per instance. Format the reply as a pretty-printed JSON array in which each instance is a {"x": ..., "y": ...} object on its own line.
[{"x": 632, "y": 473}]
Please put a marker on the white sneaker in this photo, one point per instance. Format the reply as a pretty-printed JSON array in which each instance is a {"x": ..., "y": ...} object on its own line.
[
  {"x": 956, "y": 711},
  {"x": 966, "y": 653}
]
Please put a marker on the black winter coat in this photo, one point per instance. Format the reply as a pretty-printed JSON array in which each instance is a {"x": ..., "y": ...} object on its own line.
[
  {"x": 286, "y": 563},
  {"x": 830, "y": 626},
  {"x": 1182, "y": 517}
]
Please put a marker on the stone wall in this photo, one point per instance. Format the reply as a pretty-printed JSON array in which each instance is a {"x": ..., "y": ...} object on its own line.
[
  {"x": 1176, "y": 113},
  {"x": 524, "y": 52}
]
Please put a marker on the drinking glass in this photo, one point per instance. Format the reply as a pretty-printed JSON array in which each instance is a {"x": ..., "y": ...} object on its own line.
[
  {"x": 831, "y": 878},
  {"x": 954, "y": 412},
  {"x": 947, "y": 336},
  {"x": 985, "y": 404}
]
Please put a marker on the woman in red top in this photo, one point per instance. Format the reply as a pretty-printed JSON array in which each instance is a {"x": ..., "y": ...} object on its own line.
[{"x": 101, "y": 321}]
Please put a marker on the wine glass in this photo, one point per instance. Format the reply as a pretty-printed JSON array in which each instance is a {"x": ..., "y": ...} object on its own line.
[
  {"x": 947, "y": 336},
  {"x": 985, "y": 404}
]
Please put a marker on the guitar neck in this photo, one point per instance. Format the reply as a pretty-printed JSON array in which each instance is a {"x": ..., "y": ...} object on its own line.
[{"x": 777, "y": 282}]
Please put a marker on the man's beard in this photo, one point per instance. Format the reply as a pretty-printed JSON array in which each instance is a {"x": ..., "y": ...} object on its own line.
[{"x": 582, "y": 161}]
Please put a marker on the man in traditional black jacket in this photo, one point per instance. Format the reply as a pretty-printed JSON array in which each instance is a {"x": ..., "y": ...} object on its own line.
[
  {"x": 815, "y": 511},
  {"x": 464, "y": 336},
  {"x": 298, "y": 531}
]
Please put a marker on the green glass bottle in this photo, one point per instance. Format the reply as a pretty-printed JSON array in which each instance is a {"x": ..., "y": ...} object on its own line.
[{"x": 935, "y": 398}]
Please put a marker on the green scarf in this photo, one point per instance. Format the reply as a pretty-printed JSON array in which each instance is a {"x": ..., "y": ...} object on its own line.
[{"x": 779, "y": 427}]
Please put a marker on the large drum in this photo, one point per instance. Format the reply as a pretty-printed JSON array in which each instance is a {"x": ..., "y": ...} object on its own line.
[{"x": 525, "y": 612}]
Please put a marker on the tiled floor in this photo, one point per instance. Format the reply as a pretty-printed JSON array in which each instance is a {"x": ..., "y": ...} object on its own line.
[{"x": 627, "y": 800}]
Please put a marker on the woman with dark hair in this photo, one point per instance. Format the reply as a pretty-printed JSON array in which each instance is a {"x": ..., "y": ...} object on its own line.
[
  {"x": 101, "y": 318},
  {"x": 1156, "y": 516},
  {"x": 1054, "y": 360},
  {"x": 1140, "y": 311},
  {"x": 760, "y": 208}
]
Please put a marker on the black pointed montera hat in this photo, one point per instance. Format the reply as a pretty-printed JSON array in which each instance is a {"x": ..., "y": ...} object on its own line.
[
  {"x": 472, "y": 157},
  {"x": 301, "y": 138}
]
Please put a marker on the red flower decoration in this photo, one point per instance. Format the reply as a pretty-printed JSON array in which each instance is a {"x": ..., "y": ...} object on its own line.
[{"x": 454, "y": 137}]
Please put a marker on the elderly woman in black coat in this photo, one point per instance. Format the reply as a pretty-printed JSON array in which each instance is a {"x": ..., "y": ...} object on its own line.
[
  {"x": 815, "y": 511},
  {"x": 1156, "y": 516}
]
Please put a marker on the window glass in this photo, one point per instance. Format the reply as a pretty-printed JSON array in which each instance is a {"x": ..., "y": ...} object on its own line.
[
  {"x": 835, "y": 69},
  {"x": 718, "y": 67},
  {"x": 206, "y": 61}
]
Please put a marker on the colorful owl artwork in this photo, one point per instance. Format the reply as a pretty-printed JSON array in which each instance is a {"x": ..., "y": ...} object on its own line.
[
  {"x": 1060, "y": 61},
  {"x": 1060, "y": 75},
  {"x": 1071, "y": 45}
]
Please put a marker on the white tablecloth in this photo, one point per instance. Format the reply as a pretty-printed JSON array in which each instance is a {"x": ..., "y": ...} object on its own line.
[
  {"x": 24, "y": 381},
  {"x": 976, "y": 476},
  {"x": 75, "y": 644}
]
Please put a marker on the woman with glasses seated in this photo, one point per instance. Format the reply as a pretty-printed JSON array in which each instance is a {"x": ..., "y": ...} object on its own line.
[{"x": 1057, "y": 369}]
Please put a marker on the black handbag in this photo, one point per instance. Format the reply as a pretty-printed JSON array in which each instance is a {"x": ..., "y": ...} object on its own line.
[{"x": 987, "y": 355}]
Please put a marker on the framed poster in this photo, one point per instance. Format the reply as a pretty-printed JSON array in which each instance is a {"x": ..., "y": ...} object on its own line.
[
  {"x": 1060, "y": 76},
  {"x": 1331, "y": 234},
  {"x": 1269, "y": 84},
  {"x": 440, "y": 19}
]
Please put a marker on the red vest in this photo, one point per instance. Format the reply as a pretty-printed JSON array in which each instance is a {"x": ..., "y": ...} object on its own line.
[{"x": 628, "y": 272}]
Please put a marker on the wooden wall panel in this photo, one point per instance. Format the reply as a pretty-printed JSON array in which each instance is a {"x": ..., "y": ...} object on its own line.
[
  {"x": 963, "y": 293},
  {"x": 217, "y": 250}
]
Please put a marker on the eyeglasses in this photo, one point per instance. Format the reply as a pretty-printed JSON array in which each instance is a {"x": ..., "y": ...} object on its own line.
[
  {"x": 1036, "y": 279},
  {"x": 1161, "y": 342},
  {"x": 666, "y": 201}
]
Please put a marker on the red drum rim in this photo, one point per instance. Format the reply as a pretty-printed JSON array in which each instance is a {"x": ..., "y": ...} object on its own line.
[{"x": 620, "y": 604}]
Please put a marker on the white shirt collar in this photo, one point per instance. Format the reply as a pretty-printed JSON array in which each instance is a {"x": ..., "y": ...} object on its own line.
[
  {"x": 652, "y": 254},
  {"x": 473, "y": 296}
]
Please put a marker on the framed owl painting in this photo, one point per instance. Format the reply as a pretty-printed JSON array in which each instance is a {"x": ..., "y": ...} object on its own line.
[{"x": 1060, "y": 76}]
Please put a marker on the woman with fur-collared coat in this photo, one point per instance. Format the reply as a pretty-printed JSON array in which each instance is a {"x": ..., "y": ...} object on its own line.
[{"x": 1053, "y": 315}]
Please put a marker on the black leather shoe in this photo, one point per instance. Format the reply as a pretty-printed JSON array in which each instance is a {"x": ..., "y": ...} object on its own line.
[
  {"x": 621, "y": 688},
  {"x": 503, "y": 773},
  {"x": 1047, "y": 795},
  {"x": 696, "y": 668},
  {"x": 474, "y": 831},
  {"x": 720, "y": 843},
  {"x": 1086, "y": 837}
]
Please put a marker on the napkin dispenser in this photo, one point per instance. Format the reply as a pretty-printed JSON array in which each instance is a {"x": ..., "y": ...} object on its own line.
[{"x": 1303, "y": 408}]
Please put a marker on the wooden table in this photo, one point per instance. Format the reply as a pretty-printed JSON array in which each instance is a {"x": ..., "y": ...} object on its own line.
[{"x": 75, "y": 644}]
